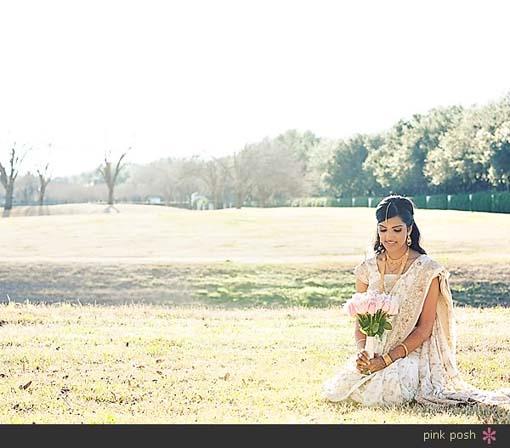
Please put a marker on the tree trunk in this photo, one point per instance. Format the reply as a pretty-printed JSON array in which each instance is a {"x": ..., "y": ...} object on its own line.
[
  {"x": 41, "y": 196},
  {"x": 8, "y": 197},
  {"x": 110, "y": 195},
  {"x": 239, "y": 200}
]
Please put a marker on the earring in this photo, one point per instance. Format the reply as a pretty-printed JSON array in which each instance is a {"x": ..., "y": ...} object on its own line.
[{"x": 409, "y": 240}]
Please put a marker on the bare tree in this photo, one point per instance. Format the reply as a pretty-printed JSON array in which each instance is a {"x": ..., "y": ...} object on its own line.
[
  {"x": 9, "y": 178},
  {"x": 110, "y": 175},
  {"x": 44, "y": 180},
  {"x": 25, "y": 188},
  {"x": 215, "y": 173},
  {"x": 277, "y": 173},
  {"x": 242, "y": 164}
]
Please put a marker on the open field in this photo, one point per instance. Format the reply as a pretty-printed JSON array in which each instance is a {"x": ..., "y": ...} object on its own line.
[
  {"x": 219, "y": 316},
  {"x": 152, "y": 234},
  {"x": 65, "y": 363},
  {"x": 248, "y": 257}
]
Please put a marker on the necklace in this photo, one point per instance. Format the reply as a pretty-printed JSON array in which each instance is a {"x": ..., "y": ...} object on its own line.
[
  {"x": 402, "y": 265},
  {"x": 395, "y": 260},
  {"x": 394, "y": 264}
]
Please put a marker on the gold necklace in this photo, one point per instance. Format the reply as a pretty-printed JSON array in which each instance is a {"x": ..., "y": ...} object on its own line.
[
  {"x": 394, "y": 264},
  {"x": 402, "y": 266},
  {"x": 395, "y": 260}
]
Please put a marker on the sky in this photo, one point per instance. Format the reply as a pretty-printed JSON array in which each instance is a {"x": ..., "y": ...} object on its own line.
[{"x": 176, "y": 78}]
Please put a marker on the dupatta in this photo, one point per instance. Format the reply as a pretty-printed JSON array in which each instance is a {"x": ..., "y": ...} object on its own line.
[{"x": 440, "y": 381}]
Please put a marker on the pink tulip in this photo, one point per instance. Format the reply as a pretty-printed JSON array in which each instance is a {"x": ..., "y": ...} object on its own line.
[
  {"x": 361, "y": 306},
  {"x": 371, "y": 294},
  {"x": 386, "y": 305},
  {"x": 379, "y": 302},
  {"x": 346, "y": 307},
  {"x": 351, "y": 308},
  {"x": 371, "y": 307}
]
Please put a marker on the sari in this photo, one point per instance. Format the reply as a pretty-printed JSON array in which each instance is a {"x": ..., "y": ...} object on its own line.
[{"x": 428, "y": 375}]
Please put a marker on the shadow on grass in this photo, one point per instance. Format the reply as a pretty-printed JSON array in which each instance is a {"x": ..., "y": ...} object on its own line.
[{"x": 217, "y": 285}]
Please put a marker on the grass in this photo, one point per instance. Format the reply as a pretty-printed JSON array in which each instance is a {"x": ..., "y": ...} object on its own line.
[
  {"x": 159, "y": 315},
  {"x": 220, "y": 284},
  {"x": 142, "y": 234},
  {"x": 145, "y": 364}
]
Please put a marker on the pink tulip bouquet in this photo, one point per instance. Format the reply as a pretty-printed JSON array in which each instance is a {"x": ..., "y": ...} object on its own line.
[{"x": 372, "y": 310}]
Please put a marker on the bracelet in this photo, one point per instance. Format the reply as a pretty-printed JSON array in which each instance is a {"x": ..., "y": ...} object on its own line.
[
  {"x": 405, "y": 348},
  {"x": 387, "y": 359},
  {"x": 358, "y": 340}
]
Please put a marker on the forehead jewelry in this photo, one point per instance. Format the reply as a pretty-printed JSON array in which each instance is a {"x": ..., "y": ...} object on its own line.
[{"x": 387, "y": 209}]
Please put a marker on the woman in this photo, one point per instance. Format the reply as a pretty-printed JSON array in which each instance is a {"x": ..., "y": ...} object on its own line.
[{"x": 416, "y": 359}]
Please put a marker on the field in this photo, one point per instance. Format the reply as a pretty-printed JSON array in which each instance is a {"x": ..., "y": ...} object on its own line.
[{"x": 152, "y": 314}]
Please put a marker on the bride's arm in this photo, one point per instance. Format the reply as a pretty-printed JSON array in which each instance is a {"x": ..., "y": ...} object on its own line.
[
  {"x": 359, "y": 337},
  {"x": 423, "y": 328},
  {"x": 420, "y": 334}
]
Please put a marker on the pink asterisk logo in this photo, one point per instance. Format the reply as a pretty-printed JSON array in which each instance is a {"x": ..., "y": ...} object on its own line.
[{"x": 489, "y": 435}]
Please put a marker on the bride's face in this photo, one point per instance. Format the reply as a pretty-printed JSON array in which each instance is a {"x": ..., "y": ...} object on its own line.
[{"x": 393, "y": 234}]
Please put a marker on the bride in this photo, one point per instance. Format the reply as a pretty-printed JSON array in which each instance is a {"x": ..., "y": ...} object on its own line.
[{"x": 416, "y": 359}]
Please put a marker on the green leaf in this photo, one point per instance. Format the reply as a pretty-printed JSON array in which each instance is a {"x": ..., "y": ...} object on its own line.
[
  {"x": 375, "y": 327},
  {"x": 387, "y": 326}
]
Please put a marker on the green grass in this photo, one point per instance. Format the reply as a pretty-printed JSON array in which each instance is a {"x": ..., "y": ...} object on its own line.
[
  {"x": 230, "y": 285},
  {"x": 145, "y": 364}
]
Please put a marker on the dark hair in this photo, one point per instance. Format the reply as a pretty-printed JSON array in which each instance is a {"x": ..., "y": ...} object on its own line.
[{"x": 396, "y": 205}]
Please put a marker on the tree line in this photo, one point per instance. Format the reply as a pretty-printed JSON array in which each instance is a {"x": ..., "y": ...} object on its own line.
[{"x": 447, "y": 150}]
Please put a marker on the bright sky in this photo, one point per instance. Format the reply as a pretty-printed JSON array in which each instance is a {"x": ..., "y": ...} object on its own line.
[{"x": 173, "y": 78}]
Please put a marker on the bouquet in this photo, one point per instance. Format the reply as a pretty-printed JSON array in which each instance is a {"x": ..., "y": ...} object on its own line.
[{"x": 372, "y": 310}]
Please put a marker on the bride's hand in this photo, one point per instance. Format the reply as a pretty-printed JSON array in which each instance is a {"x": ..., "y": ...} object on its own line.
[
  {"x": 374, "y": 365},
  {"x": 362, "y": 361}
]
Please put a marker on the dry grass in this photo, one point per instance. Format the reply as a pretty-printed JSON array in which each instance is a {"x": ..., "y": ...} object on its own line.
[
  {"x": 153, "y": 234},
  {"x": 148, "y": 364},
  {"x": 210, "y": 349}
]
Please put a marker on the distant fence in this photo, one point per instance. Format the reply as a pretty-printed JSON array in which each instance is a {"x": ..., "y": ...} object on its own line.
[{"x": 483, "y": 201}]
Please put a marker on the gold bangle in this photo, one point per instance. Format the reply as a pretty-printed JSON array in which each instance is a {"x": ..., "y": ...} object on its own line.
[
  {"x": 405, "y": 348},
  {"x": 387, "y": 359}
]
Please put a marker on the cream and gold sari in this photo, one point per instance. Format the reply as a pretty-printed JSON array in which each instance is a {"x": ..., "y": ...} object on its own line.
[{"x": 429, "y": 375}]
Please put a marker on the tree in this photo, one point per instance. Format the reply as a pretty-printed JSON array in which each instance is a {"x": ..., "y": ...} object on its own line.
[
  {"x": 316, "y": 172},
  {"x": 346, "y": 174},
  {"x": 277, "y": 172},
  {"x": 399, "y": 163},
  {"x": 215, "y": 173},
  {"x": 301, "y": 144},
  {"x": 110, "y": 175},
  {"x": 242, "y": 164},
  {"x": 8, "y": 178},
  {"x": 44, "y": 180},
  {"x": 496, "y": 140},
  {"x": 461, "y": 160}
]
